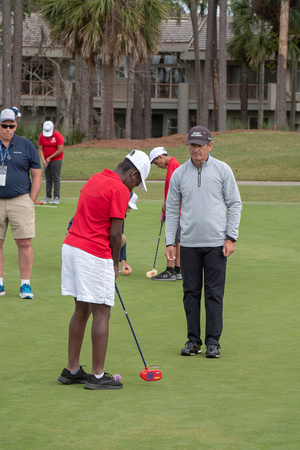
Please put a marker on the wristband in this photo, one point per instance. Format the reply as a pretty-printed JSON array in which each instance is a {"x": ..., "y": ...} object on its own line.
[
  {"x": 230, "y": 238},
  {"x": 170, "y": 245}
]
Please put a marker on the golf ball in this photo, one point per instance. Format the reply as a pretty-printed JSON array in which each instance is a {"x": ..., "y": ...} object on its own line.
[
  {"x": 126, "y": 272},
  {"x": 117, "y": 377},
  {"x": 41, "y": 203}
]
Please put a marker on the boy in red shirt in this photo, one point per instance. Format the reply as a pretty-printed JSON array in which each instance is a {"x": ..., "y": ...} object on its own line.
[
  {"x": 51, "y": 145},
  {"x": 161, "y": 159},
  {"x": 90, "y": 263}
]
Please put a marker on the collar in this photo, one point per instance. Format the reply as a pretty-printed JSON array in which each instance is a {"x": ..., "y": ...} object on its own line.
[{"x": 204, "y": 162}]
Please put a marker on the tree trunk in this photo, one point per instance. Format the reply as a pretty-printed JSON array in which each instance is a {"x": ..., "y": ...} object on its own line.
[
  {"x": 281, "y": 65},
  {"x": 215, "y": 69},
  {"x": 91, "y": 108},
  {"x": 147, "y": 99},
  {"x": 107, "y": 102},
  {"x": 130, "y": 81},
  {"x": 77, "y": 93},
  {"x": 194, "y": 17},
  {"x": 84, "y": 99},
  {"x": 6, "y": 55},
  {"x": 17, "y": 53},
  {"x": 244, "y": 95},
  {"x": 261, "y": 96},
  {"x": 293, "y": 96},
  {"x": 138, "y": 104},
  {"x": 222, "y": 66},
  {"x": 208, "y": 63}
]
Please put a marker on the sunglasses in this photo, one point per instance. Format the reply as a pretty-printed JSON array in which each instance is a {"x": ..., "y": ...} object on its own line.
[{"x": 11, "y": 127}]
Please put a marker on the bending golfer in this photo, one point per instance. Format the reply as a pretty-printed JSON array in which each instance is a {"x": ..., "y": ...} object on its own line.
[
  {"x": 90, "y": 263},
  {"x": 211, "y": 206},
  {"x": 162, "y": 160}
]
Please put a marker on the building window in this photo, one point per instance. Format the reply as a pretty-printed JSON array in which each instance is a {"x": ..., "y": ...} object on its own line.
[
  {"x": 166, "y": 74},
  {"x": 37, "y": 78}
]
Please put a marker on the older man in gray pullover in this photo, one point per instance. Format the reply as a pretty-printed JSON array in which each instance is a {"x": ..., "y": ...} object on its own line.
[{"x": 206, "y": 191}]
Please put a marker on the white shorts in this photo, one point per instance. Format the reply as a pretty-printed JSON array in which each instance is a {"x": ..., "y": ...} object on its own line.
[{"x": 86, "y": 277}]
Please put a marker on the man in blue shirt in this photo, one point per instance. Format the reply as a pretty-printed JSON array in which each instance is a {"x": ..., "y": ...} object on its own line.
[{"x": 20, "y": 183}]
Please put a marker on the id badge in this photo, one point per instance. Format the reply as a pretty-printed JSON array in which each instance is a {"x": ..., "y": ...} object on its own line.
[{"x": 3, "y": 172}]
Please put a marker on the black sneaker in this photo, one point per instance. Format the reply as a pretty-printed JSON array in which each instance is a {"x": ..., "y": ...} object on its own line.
[
  {"x": 191, "y": 348},
  {"x": 165, "y": 276},
  {"x": 67, "y": 377},
  {"x": 106, "y": 382},
  {"x": 178, "y": 273},
  {"x": 212, "y": 351}
]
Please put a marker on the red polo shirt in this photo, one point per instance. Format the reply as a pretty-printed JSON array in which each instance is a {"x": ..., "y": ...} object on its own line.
[
  {"x": 50, "y": 145},
  {"x": 102, "y": 198},
  {"x": 173, "y": 164}
]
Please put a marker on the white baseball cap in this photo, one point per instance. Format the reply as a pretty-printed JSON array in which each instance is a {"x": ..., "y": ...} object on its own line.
[
  {"x": 48, "y": 128},
  {"x": 7, "y": 114},
  {"x": 157, "y": 151},
  {"x": 142, "y": 162},
  {"x": 133, "y": 200}
]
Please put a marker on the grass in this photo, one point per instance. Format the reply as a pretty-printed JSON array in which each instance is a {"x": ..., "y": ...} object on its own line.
[
  {"x": 155, "y": 191},
  {"x": 245, "y": 400},
  {"x": 261, "y": 155},
  {"x": 248, "y": 399}
]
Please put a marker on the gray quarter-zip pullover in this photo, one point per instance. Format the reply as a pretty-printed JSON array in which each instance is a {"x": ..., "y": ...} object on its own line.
[{"x": 210, "y": 204}]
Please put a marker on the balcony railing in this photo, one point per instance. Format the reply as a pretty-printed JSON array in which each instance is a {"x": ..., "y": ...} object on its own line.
[
  {"x": 158, "y": 91},
  {"x": 234, "y": 91},
  {"x": 38, "y": 88}
]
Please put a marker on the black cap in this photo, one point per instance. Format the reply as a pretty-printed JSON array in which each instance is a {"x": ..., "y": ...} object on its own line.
[{"x": 199, "y": 135}]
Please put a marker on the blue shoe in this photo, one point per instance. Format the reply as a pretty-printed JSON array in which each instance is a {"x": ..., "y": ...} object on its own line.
[
  {"x": 2, "y": 291},
  {"x": 25, "y": 291}
]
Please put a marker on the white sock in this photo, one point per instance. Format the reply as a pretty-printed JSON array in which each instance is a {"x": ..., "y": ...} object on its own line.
[
  {"x": 25, "y": 282},
  {"x": 99, "y": 376},
  {"x": 73, "y": 372},
  {"x": 1, "y": 281}
]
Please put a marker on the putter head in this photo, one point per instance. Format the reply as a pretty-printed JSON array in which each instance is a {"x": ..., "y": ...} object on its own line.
[
  {"x": 151, "y": 273},
  {"x": 150, "y": 375}
]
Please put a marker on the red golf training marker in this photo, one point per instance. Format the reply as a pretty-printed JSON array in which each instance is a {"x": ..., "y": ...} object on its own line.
[{"x": 150, "y": 375}]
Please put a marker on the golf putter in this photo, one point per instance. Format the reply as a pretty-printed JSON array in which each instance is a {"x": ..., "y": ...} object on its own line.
[
  {"x": 147, "y": 374},
  {"x": 153, "y": 272}
]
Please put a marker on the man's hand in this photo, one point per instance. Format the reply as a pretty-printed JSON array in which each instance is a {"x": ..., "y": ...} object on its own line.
[
  {"x": 228, "y": 248},
  {"x": 170, "y": 253},
  {"x": 125, "y": 266}
]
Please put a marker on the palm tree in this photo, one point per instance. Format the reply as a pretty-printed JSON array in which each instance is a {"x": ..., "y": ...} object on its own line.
[
  {"x": 153, "y": 13},
  {"x": 105, "y": 29},
  {"x": 6, "y": 54},
  {"x": 241, "y": 27},
  {"x": 282, "y": 64},
  {"x": 211, "y": 18},
  {"x": 258, "y": 50},
  {"x": 17, "y": 53},
  {"x": 270, "y": 11},
  {"x": 222, "y": 65}
]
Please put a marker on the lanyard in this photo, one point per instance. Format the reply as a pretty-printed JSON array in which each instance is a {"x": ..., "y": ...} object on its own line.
[{"x": 5, "y": 153}]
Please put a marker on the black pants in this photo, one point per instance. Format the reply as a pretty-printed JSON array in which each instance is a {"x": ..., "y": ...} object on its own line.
[
  {"x": 209, "y": 265},
  {"x": 52, "y": 174}
]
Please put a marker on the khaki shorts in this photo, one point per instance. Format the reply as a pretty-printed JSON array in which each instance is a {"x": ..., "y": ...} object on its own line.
[{"x": 19, "y": 212}]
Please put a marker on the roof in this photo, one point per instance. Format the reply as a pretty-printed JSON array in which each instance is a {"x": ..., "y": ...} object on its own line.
[
  {"x": 36, "y": 32},
  {"x": 174, "y": 35}
]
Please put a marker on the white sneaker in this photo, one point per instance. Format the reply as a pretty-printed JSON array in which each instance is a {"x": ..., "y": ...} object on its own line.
[
  {"x": 47, "y": 200},
  {"x": 56, "y": 201}
]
